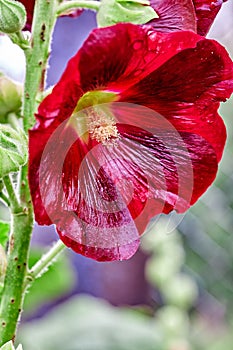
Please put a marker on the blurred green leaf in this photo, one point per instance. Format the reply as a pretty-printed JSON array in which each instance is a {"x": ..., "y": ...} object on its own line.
[
  {"x": 85, "y": 323},
  {"x": 57, "y": 281},
  {"x": 180, "y": 290},
  {"x": 4, "y": 232}
]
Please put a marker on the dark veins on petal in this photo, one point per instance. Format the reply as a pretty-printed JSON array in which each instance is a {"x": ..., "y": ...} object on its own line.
[{"x": 173, "y": 15}]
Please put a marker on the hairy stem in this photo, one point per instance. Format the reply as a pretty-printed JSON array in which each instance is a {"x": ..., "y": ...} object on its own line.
[
  {"x": 13, "y": 200},
  {"x": 43, "y": 264},
  {"x": 22, "y": 212},
  {"x": 12, "y": 297},
  {"x": 37, "y": 57}
]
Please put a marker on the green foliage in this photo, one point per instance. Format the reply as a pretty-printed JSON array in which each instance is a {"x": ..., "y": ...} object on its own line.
[
  {"x": 56, "y": 282},
  {"x": 115, "y": 11},
  {"x": 181, "y": 291},
  {"x": 4, "y": 232},
  {"x": 13, "y": 149},
  {"x": 173, "y": 322},
  {"x": 85, "y": 323}
]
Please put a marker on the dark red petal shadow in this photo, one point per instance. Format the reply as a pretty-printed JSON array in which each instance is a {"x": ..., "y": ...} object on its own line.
[
  {"x": 206, "y": 11},
  {"x": 116, "y": 57},
  {"x": 189, "y": 94},
  {"x": 29, "y": 5}
]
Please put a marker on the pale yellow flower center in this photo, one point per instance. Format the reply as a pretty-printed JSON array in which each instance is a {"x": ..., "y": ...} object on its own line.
[
  {"x": 92, "y": 116},
  {"x": 102, "y": 126}
]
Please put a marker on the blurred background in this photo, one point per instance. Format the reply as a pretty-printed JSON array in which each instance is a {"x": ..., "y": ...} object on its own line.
[{"x": 176, "y": 293}]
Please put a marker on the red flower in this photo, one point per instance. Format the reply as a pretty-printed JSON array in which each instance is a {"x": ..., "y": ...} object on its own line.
[
  {"x": 196, "y": 15},
  {"x": 101, "y": 173}
]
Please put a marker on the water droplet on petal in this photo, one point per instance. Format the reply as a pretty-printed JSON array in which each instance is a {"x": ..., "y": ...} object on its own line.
[
  {"x": 208, "y": 119},
  {"x": 138, "y": 44}
]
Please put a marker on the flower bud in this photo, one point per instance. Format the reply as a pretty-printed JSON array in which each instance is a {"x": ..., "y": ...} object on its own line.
[
  {"x": 10, "y": 97},
  {"x": 12, "y": 16}
]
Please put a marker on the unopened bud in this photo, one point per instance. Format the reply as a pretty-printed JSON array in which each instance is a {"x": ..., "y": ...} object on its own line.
[
  {"x": 10, "y": 97},
  {"x": 12, "y": 16}
]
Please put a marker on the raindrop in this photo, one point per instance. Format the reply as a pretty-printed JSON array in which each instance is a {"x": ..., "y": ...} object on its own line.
[
  {"x": 208, "y": 119},
  {"x": 137, "y": 45}
]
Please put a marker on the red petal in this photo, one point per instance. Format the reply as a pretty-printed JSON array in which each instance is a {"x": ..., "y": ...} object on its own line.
[
  {"x": 186, "y": 164},
  {"x": 206, "y": 11},
  {"x": 29, "y": 5},
  {"x": 173, "y": 15},
  {"x": 96, "y": 194},
  {"x": 189, "y": 95},
  {"x": 125, "y": 54},
  {"x": 75, "y": 194},
  {"x": 116, "y": 57},
  {"x": 118, "y": 253}
]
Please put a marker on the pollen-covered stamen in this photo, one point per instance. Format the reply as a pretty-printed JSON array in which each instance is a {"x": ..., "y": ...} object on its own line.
[{"x": 102, "y": 126}]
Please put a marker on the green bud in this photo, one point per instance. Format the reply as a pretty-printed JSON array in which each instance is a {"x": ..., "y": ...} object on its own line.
[
  {"x": 10, "y": 97},
  {"x": 12, "y": 16},
  {"x": 116, "y": 11}
]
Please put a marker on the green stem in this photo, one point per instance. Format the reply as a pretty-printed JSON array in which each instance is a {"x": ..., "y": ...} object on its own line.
[
  {"x": 43, "y": 264},
  {"x": 19, "y": 39},
  {"x": 22, "y": 217},
  {"x": 13, "y": 292},
  {"x": 37, "y": 57},
  {"x": 72, "y": 5},
  {"x": 14, "y": 201}
]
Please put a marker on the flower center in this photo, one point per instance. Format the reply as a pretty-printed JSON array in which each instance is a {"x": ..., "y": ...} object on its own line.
[
  {"x": 94, "y": 117},
  {"x": 102, "y": 126}
]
